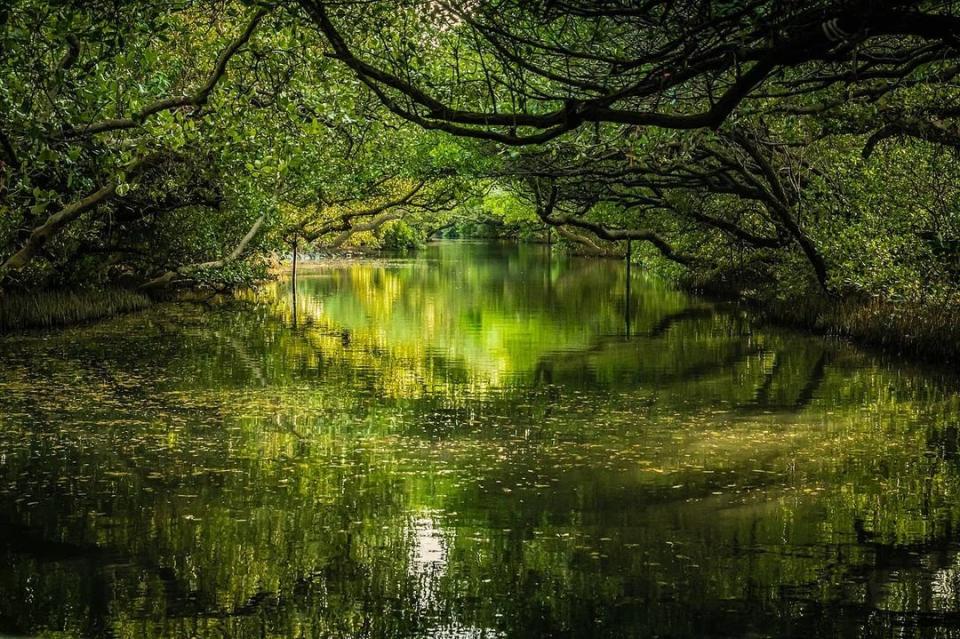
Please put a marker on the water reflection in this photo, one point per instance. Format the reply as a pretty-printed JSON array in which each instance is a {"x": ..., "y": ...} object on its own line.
[{"x": 481, "y": 441}]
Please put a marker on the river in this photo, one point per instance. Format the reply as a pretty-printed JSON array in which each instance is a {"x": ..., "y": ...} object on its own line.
[{"x": 479, "y": 440}]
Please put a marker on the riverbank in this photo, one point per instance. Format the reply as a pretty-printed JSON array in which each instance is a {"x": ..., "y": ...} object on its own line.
[
  {"x": 48, "y": 309},
  {"x": 928, "y": 332}
]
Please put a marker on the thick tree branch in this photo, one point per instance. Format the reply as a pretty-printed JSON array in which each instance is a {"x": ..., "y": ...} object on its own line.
[
  {"x": 54, "y": 223},
  {"x": 929, "y": 130},
  {"x": 345, "y": 222},
  {"x": 587, "y": 245},
  {"x": 791, "y": 39},
  {"x": 198, "y": 98},
  {"x": 546, "y": 213},
  {"x": 372, "y": 225},
  {"x": 781, "y": 209},
  {"x": 186, "y": 272}
]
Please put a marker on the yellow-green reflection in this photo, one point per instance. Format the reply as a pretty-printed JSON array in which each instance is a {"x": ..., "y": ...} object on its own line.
[{"x": 470, "y": 443}]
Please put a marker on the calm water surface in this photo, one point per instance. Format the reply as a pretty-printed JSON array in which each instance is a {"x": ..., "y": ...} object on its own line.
[{"x": 479, "y": 441}]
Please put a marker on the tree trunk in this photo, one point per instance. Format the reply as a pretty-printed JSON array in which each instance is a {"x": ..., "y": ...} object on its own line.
[
  {"x": 167, "y": 278},
  {"x": 53, "y": 224}
]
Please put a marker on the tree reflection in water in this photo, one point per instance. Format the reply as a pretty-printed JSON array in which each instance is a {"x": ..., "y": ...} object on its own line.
[{"x": 487, "y": 455}]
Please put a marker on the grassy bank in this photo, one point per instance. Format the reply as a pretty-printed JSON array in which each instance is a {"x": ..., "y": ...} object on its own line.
[
  {"x": 60, "y": 308},
  {"x": 924, "y": 331},
  {"x": 928, "y": 331}
]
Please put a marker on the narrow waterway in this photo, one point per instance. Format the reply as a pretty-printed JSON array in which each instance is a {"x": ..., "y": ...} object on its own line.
[{"x": 476, "y": 441}]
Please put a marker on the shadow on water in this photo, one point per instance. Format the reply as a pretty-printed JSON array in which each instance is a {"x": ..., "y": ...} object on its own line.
[{"x": 479, "y": 441}]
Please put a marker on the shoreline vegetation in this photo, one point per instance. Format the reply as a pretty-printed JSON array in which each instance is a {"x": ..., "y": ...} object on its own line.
[
  {"x": 925, "y": 332},
  {"x": 52, "y": 309},
  {"x": 187, "y": 163},
  {"x": 928, "y": 333}
]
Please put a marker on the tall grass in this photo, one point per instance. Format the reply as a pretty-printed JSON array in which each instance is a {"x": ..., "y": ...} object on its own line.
[
  {"x": 60, "y": 308},
  {"x": 927, "y": 331}
]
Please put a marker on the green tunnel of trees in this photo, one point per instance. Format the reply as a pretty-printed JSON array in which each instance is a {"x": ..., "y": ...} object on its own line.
[{"x": 783, "y": 151}]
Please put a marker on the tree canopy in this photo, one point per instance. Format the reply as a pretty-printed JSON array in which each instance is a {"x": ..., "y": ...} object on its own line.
[{"x": 756, "y": 145}]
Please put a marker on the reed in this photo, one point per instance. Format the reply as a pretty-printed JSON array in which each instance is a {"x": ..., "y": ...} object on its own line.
[
  {"x": 60, "y": 308},
  {"x": 927, "y": 331}
]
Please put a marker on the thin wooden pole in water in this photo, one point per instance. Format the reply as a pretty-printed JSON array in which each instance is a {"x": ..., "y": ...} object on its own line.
[
  {"x": 293, "y": 282},
  {"x": 626, "y": 312},
  {"x": 293, "y": 276}
]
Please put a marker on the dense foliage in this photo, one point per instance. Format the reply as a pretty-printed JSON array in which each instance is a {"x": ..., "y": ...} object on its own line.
[
  {"x": 153, "y": 144},
  {"x": 781, "y": 151}
]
